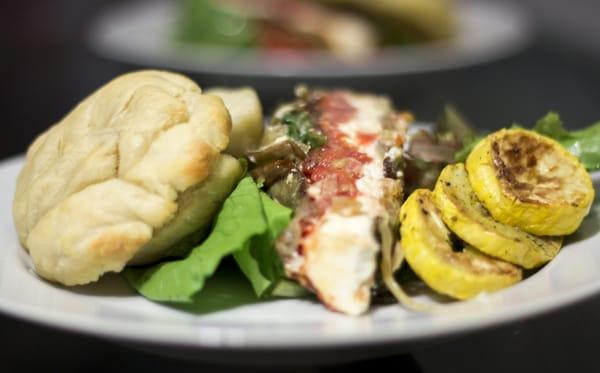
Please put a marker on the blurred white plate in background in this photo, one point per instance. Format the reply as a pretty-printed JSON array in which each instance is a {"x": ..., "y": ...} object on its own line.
[
  {"x": 141, "y": 34},
  {"x": 282, "y": 329}
]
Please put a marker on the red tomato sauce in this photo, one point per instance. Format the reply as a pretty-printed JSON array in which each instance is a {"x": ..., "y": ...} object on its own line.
[
  {"x": 337, "y": 165},
  {"x": 272, "y": 37},
  {"x": 366, "y": 138}
]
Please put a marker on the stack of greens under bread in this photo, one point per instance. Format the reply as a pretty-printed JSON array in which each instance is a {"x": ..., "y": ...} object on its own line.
[
  {"x": 133, "y": 174},
  {"x": 179, "y": 280},
  {"x": 246, "y": 226}
]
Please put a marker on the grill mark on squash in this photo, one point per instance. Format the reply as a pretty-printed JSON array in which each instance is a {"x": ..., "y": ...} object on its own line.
[
  {"x": 459, "y": 253},
  {"x": 516, "y": 163}
]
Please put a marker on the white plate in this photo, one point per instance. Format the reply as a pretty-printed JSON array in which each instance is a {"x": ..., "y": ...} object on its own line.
[
  {"x": 110, "y": 309},
  {"x": 141, "y": 33}
]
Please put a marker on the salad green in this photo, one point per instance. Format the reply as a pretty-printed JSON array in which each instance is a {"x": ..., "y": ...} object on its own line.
[
  {"x": 260, "y": 262},
  {"x": 301, "y": 128},
  {"x": 204, "y": 22},
  {"x": 584, "y": 143},
  {"x": 248, "y": 222},
  {"x": 468, "y": 145}
]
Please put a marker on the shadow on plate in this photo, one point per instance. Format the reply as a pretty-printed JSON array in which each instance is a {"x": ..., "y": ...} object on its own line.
[
  {"x": 227, "y": 289},
  {"x": 110, "y": 285}
]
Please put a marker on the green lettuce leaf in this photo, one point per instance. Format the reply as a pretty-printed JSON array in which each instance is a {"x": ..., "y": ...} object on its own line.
[
  {"x": 584, "y": 143},
  {"x": 468, "y": 145},
  {"x": 240, "y": 220},
  {"x": 261, "y": 263},
  {"x": 206, "y": 22},
  {"x": 301, "y": 128}
]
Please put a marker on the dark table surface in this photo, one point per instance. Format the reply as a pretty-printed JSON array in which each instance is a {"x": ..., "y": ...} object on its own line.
[{"x": 47, "y": 69}]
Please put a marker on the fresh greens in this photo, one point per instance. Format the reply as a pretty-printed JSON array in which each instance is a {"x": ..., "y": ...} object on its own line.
[
  {"x": 205, "y": 22},
  {"x": 453, "y": 126},
  {"x": 260, "y": 263},
  {"x": 246, "y": 227},
  {"x": 227, "y": 288},
  {"x": 468, "y": 145},
  {"x": 240, "y": 220},
  {"x": 301, "y": 128},
  {"x": 454, "y": 130},
  {"x": 429, "y": 152},
  {"x": 584, "y": 143}
]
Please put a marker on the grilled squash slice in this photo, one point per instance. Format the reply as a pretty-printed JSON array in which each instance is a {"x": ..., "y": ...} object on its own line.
[
  {"x": 531, "y": 182},
  {"x": 429, "y": 251},
  {"x": 468, "y": 219}
]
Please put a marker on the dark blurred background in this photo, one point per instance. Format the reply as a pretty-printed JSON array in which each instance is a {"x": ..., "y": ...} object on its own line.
[{"x": 47, "y": 68}]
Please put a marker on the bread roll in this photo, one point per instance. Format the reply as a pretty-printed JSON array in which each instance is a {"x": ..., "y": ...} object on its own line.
[
  {"x": 97, "y": 186},
  {"x": 246, "y": 118}
]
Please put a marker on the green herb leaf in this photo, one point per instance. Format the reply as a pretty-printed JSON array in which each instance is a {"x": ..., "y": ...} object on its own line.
[
  {"x": 584, "y": 143},
  {"x": 468, "y": 145},
  {"x": 261, "y": 263},
  {"x": 240, "y": 220},
  {"x": 453, "y": 123},
  {"x": 207, "y": 22},
  {"x": 301, "y": 128},
  {"x": 551, "y": 125}
]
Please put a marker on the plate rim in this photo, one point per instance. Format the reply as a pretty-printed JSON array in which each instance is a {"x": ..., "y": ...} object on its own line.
[
  {"x": 524, "y": 33},
  {"x": 118, "y": 329}
]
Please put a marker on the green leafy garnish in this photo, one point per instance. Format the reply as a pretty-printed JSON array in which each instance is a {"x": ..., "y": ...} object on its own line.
[
  {"x": 301, "y": 128},
  {"x": 240, "y": 220},
  {"x": 452, "y": 123},
  {"x": 454, "y": 130},
  {"x": 247, "y": 226},
  {"x": 584, "y": 143},
  {"x": 207, "y": 22},
  {"x": 227, "y": 288},
  {"x": 468, "y": 145},
  {"x": 260, "y": 262}
]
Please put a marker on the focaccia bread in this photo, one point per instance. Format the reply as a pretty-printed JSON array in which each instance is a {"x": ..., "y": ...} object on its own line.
[{"x": 127, "y": 164}]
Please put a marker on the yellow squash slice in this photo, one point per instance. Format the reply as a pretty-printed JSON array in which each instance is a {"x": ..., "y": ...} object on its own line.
[
  {"x": 468, "y": 219},
  {"x": 428, "y": 249},
  {"x": 531, "y": 182}
]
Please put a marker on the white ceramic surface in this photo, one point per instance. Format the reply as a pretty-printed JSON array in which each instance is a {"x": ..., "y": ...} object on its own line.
[
  {"x": 141, "y": 33},
  {"x": 110, "y": 309}
]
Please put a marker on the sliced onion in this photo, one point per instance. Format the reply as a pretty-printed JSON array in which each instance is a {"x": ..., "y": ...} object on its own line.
[{"x": 392, "y": 259}]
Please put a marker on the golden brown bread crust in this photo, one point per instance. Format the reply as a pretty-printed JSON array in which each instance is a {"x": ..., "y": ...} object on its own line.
[
  {"x": 247, "y": 119},
  {"x": 96, "y": 184}
]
